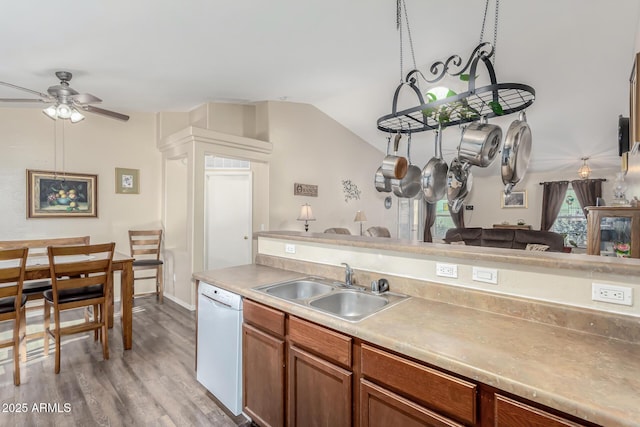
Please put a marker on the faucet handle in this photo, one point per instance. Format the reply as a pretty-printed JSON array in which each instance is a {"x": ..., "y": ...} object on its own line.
[{"x": 374, "y": 286}]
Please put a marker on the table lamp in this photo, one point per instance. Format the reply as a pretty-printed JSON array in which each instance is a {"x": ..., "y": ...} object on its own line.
[
  {"x": 306, "y": 215},
  {"x": 360, "y": 217}
]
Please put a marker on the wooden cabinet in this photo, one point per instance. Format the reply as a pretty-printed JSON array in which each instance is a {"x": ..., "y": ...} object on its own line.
[
  {"x": 320, "y": 377},
  {"x": 608, "y": 228},
  {"x": 425, "y": 395},
  {"x": 263, "y": 364}
]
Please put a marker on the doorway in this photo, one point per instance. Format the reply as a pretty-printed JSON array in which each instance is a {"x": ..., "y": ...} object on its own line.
[{"x": 228, "y": 218}]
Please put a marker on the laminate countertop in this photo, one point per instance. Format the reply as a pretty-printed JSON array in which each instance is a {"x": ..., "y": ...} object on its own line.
[{"x": 586, "y": 375}]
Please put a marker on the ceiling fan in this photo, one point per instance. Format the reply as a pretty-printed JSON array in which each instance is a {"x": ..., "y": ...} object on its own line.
[{"x": 66, "y": 101}]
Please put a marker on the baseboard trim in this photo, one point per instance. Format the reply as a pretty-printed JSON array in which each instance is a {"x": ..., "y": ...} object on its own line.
[{"x": 180, "y": 302}]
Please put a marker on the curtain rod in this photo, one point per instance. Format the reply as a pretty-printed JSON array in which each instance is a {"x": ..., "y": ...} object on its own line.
[{"x": 580, "y": 180}]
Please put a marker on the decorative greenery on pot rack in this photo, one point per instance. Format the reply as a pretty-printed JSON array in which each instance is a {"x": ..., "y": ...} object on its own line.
[{"x": 495, "y": 99}]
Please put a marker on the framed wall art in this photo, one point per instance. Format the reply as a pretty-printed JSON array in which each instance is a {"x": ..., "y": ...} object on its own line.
[
  {"x": 517, "y": 199},
  {"x": 61, "y": 194},
  {"x": 127, "y": 181}
]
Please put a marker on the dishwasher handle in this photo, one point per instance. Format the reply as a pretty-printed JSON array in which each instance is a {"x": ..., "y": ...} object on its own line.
[{"x": 216, "y": 302}]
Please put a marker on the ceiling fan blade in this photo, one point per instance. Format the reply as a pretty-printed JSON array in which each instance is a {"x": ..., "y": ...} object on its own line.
[
  {"x": 22, "y": 100},
  {"x": 85, "y": 98},
  {"x": 44, "y": 96},
  {"x": 104, "y": 112}
]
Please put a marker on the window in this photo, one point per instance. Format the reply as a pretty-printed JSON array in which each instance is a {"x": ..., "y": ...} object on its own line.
[
  {"x": 443, "y": 220},
  {"x": 571, "y": 221}
]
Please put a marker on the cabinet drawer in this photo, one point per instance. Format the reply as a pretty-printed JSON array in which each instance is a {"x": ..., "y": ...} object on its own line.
[
  {"x": 263, "y": 317},
  {"x": 437, "y": 390},
  {"x": 328, "y": 344},
  {"x": 511, "y": 413}
]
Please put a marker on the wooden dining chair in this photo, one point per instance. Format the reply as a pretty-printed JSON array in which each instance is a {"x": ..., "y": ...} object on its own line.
[
  {"x": 80, "y": 277},
  {"x": 145, "y": 251},
  {"x": 12, "y": 302}
]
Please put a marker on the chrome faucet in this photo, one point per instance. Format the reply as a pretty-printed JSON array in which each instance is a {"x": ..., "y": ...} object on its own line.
[{"x": 348, "y": 274}]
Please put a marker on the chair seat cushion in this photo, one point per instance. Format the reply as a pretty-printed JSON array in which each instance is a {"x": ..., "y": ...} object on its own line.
[
  {"x": 146, "y": 262},
  {"x": 71, "y": 295},
  {"x": 32, "y": 288},
  {"x": 7, "y": 305}
]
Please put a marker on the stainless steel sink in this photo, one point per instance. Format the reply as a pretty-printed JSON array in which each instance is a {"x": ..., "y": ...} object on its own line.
[
  {"x": 350, "y": 305},
  {"x": 299, "y": 289},
  {"x": 332, "y": 297}
]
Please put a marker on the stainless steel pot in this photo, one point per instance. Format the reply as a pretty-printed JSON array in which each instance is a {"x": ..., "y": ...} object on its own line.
[
  {"x": 480, "y": 143},
  {"x": 383, "y": 184},
  {"x": 394, "y": 166},
  {"x": 459, "y": 184},
  {"x": 409, "y": 186},
  {"x": 434, "y": 174},
  {"x": 516, "y": 152}
]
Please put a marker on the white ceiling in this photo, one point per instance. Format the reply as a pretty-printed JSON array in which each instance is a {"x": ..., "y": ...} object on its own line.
[{"x": 342, "y": 56}]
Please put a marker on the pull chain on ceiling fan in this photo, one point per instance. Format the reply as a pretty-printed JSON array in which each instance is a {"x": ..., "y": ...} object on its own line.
[{"x": 66, "y": 101}]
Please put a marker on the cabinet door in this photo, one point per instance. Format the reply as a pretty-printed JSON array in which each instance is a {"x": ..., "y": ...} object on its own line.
[
  {"x": 263, "y": 378},
  {"x": 320, "y": 392},
  {"x": 380, "y": 407}
]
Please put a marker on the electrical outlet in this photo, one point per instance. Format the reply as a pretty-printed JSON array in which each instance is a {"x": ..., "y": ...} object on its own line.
[
  {"x": 290, "y": 248},
  {"x": 487, "y": 275},
  {"x": 468, "y": 207},
  {"x": 447, "y": 270},
  {"x": 612, "y": 293}
]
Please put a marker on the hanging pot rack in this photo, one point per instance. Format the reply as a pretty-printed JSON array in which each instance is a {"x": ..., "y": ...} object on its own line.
[{"x": 495, "y": 99}]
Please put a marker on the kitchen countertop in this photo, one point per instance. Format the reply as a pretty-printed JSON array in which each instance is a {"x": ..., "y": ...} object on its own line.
[{"x": 589, "y": 376}]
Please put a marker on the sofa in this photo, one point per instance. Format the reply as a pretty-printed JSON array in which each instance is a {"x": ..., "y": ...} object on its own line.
[{"x": 505, "y": 238}]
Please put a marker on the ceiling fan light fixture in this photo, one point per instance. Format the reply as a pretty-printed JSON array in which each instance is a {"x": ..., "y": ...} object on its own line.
[
  {"x": 64, "y": 111},
  {"x": 51, "y": 112},
  {"x": 76, "y": 116}
]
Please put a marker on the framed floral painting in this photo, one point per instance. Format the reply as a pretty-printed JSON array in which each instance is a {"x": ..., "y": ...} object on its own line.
[
  {"x": 127, "y": 181},
  {"x": 61, "y": 194}
]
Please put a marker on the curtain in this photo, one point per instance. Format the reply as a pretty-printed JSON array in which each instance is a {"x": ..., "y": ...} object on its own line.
[
  {"x": 587, "y": 191},
  {"x": 458, "y": 218},
  {"x": 429, "y": 220},
  {"x": 552, "y": 198}
]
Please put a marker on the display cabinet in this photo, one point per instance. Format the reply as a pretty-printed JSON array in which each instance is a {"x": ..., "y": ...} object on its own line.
[{"x": 613, "y": 231}]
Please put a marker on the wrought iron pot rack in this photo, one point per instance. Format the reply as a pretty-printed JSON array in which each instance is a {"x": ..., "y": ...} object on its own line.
[{"x": 496, "y": 99}]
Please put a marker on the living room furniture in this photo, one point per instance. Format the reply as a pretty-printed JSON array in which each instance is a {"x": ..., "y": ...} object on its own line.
[
  {"x": 612, "y": 231},
  {"x": 337, "y": 230},
  {"x": 377, "y": 231},
  {"x": 504, "y": 238}
]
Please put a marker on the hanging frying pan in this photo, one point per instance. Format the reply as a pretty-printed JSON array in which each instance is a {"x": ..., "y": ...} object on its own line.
[
  {"x": 516, "y": 152},
  {"x": 434, "y": 174},
  {"x": 383, "y": 185},
  {"x": 408, "y": 186}
]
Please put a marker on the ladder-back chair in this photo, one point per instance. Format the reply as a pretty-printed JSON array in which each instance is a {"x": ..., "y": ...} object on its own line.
[
  {"x": 145, "y": 251},
  {"x": 12, "y": 302}
]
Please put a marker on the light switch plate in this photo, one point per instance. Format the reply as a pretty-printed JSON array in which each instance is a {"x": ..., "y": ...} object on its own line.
[
  {"x": 486, "y": 275},
  {"x": 290, "y": 248}
]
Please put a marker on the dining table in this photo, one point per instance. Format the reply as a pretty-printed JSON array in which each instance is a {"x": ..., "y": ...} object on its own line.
[{"x": 37, "y": 268}]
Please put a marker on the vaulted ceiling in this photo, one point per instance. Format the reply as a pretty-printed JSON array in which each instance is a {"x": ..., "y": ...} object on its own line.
[{"x": 341, "y": 56}]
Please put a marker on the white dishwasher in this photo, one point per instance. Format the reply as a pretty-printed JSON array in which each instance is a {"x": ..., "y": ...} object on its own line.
[{"x": 219, "y": 360}]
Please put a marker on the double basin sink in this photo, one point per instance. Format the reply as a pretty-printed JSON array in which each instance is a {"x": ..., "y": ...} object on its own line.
[{"x": 334, "y": 298}]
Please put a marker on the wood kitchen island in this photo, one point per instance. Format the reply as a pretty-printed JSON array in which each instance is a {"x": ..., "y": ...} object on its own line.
[{"x": 522, "y": 354}]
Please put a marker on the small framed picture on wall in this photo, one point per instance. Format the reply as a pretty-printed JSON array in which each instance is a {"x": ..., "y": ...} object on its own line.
[
  {"x": 516, "y": 199},
  {"x": 127, "y": 181}
]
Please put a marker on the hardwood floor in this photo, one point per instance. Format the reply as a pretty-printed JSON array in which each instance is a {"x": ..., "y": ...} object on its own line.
[{"x": 154, "y": 384}]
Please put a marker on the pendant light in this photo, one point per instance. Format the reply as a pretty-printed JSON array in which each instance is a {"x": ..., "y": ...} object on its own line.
[{"x": 585, "y": 171}]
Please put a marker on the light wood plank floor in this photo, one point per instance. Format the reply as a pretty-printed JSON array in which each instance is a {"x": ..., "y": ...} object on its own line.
[{"x": 154, "y": 384}]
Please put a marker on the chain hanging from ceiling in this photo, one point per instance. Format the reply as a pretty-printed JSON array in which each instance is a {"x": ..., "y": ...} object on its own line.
[{"x": 495, "y": 99}]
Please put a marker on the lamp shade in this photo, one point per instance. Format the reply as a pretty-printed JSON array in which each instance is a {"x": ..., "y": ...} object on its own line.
[
  {"x": 305, "y": 213},
  {"x": 360, "y": 217}
]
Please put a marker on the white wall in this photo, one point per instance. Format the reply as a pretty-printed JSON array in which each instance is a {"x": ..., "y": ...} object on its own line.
[
  {"x": 96, "y": 145},
  {"x": 309, "y": 147}
]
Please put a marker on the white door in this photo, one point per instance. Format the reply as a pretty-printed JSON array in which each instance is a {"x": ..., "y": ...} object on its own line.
[{"x": 228, "y": 218}]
